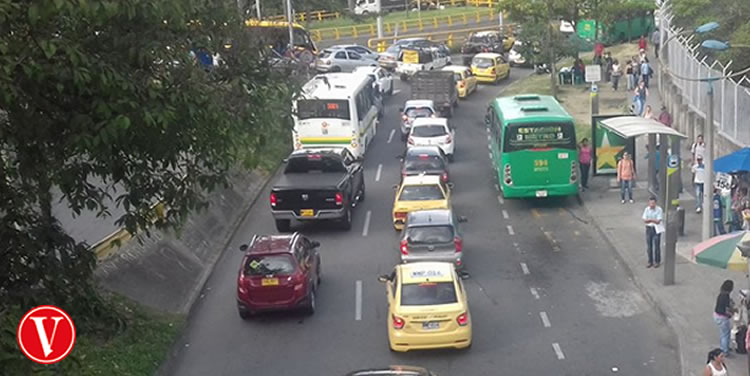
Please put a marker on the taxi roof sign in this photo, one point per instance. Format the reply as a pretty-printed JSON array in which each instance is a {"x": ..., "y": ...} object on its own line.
[{"x": 427, "y": 272}]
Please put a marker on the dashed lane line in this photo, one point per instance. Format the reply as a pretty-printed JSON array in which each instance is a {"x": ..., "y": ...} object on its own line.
[
  {"x": 500, "y": 200},
  {"x": 505, "y": 214},
  {"x": 545, "y": 319},
  {"x": 525, "y": 268},
  {"x": 390, "y": 136},
  {"x": 534, "y": 292},
  {"x": 366, "y": 230},
  {"x": 510, "y": 230},
  {"x": 558, "y": 351},
  {"x": 358, "y": 301},
  {"x": 380, "y": 170}
]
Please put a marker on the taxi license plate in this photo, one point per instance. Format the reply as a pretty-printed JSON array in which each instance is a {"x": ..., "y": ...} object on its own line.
[
  {"x": 269, "y": 282},
  {"x": 307, "y": 212},
  {"x": 430, "y": 325},
  {"x": 541, "y": 193}
]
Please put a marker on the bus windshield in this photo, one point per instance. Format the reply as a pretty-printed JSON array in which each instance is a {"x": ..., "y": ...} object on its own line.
[
  {"x": 540, "y": 136},
  {"x": 323, "y": 109}
]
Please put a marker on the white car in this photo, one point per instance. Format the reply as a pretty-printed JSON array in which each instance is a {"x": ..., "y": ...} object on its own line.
[
  {"x": 382, "y": 77},
  {"x": 433, "y": 132},
  {"x": 414, "y": 109}
]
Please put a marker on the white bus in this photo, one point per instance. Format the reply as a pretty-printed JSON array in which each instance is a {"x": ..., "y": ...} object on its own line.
[{"x": 336, "y": 110}]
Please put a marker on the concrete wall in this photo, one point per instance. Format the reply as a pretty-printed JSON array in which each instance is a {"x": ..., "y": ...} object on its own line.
[{"x": 167, "y": 270}]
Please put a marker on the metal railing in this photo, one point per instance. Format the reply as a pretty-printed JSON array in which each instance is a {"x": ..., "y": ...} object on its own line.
[
  {"x": 310, "y": 16},
  {"x": 731, "y": 97},
  {"x": 117, "y": 239},
  {"x": 450, "y": 38},
  {"x": 404, "y": 26}
]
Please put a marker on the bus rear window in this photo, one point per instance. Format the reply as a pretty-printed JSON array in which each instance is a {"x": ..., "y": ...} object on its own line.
[
  {"x": 540, "y": 136},
  {"x": 323, "y": 109},
  {"x": 428, "y": 293}
]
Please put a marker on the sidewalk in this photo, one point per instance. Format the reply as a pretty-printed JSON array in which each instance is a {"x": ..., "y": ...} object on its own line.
[{"x": 688, "y": 304}]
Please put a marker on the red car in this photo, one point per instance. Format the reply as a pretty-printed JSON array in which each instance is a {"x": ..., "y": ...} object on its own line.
[{"x": 278, "y": 272}]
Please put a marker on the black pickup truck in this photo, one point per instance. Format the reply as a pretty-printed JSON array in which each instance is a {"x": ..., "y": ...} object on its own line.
[
  {"x": 318, "y": 184},
  {"x": 482, "y": 41}
]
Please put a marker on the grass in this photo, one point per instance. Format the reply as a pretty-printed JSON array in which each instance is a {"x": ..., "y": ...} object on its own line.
[
  {"x": 426, "y": 15},
  {"x": 138, "y": 350}
]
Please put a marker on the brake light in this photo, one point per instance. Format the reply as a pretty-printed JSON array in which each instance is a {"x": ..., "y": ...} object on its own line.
[
  {"x": 400, "y": 215},
  {"x": 404, "y": 117},
  {"x": 462, "y": 319},
  {"x": 398, "y": 323},
  {"x": 411, "y": 141},
  {"x": 459, "y": 244},
  {"x": 273, "y": 200},
  {"x": 444, "y": 177},
  {"x": 241, "y": 284},
  {"x": 448, "y": 139},
  {"x": 492, "y": 71},
  {"x": 339, "y": 199},
  {"x": 573, "y": 172},
  {"x": 506, "y": 175},
  {"x": 485, "y": 49},
  {"x": 461, "y": 85},
  {"x": 404, "y": 247}
]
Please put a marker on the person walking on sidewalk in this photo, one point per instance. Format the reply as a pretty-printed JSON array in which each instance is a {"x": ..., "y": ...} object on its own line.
[
  {"x": 625, "y": 176},
  {"x": 584, "y": 158},
  {"x": 723, "y": 312},
  {"x": 616, "y": 73},
  {"x": 698, "y": 179},
  {"x": 646, "y": 71},
  {"x": 664, "y": 117},
  {"x": 715, "y": 365},
  {"x": 656, "y": 41},
  {"x": 652, "y": 217},
  {"x": 642, "y": 43},
  {"x": 718, "y": 205},
  {"x": 698, "y": 149}
]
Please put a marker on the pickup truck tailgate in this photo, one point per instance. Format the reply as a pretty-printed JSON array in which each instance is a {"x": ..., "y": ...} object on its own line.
[{"x": 303, "y": 199}]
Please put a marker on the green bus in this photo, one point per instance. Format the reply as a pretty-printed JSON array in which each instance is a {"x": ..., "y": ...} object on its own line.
[{"x": 533, "y": 146}]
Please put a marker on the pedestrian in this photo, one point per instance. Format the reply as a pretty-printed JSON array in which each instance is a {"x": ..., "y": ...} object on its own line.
[
  {"x": 718, "y": 205},
  {"x": 652, "y": 217},
  {"x": 629, "y": 74},
  {"x": 715, "y": 365},
  {"x": 656, "y": 41},
  {"x": 608, "y": 67},
  {"x": 746, "y": 217},
  {"x": 642, "y": 56},
  {"x": 598, "y": 50},
  {"x": 641, "y": 94},
  {"x": 642, "y": 42},
  {"x": 646, "y": 72},
  {"x": 616, "y": 73},
  {"x": 625, "y": 176},
  {"x": 698, "y": 179},
  {"x": 723, "y": 311},
  {"x": 664, "y": 117},
  {"x": 698, "y": 149},
  {"x": 584, "y": 159},
  {"x": 648, "y": 113}
]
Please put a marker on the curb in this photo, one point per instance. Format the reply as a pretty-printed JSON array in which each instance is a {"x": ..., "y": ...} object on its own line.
[{"x": 644, "y": 291}]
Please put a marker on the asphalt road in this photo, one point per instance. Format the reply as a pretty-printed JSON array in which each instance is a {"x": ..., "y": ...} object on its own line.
[{"x": 546, "y": 294}]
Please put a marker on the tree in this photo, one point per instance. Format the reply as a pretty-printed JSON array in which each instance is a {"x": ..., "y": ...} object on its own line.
[{"x": 108, "y": 90}]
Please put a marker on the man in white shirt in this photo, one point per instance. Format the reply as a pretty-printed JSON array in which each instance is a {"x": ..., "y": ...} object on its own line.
[
  {"x": 698, "y": 149},
  {"x": 698, "y": 180},
  {"x": 652, "y": 217}
]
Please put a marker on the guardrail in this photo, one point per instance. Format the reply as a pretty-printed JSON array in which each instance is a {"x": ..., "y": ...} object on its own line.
[
  {"x": 109, "y": 245},
  {"x": 450, "y": 38},
  {"x": 404, "y": 26},
  {"x": 314, "y": 15}
]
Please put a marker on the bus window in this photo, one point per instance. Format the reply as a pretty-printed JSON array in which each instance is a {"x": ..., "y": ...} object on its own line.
[
  {"x": 539, "y": 136},
  {"x": 323, "y": 109}
]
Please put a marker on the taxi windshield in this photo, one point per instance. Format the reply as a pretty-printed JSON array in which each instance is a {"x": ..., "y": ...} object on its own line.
[
  {"x": 482, "y": 62},
  {"x": 421, "y": 193},
  {"x": 268, "y": 264},
  {"x": 428, "y": 293},
  {"x": 418, "y": 112}
]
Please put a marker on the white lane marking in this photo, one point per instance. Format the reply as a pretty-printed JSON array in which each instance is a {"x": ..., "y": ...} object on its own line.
[
  {"x": 390, "y": 136},
  {"x": 505, "y": 214},
  {"x": 380, "y": 170},
  {"x": 558, "y": 351},
  {"x": 367, "y": 223},
  {"x": 489, "y": 154},
  {"x": 358, "y": 300},
  {"x": 500, "y": 200},
  {"x": 489, "y": 147},
  {"x": 545, "y": 319},
  {"x": 488, "y": 137},
  {"x": 534, "y": 292},
  {"x": 510, "y": 230},
  {"x": 396, "y": 91},
  {"x": 497, "y": 188},
  {"x": 525, "y": 268}
]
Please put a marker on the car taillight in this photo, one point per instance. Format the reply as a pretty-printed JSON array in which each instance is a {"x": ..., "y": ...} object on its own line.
[
  {"x": 506, "y": 175},
  {"x": 448, "y": 139},
  {"x": 462, "y": 319},
  {"x": 459, "y": 244},
  {"x": 492, "y": 71},
  {"x": 398, "y": 323},
  {"x": 410, "y": 141},
  {"x": 339, "y": 199},
  {"x": 404, "y": 117},
  {"x": 461, "y": 85},
  {"x": 241, "y": 285},
  {"x": 444, "y": 177},
  {"x": 573, "y": 172},
  {"x": 404, "y": 247},
  {"x": 485, "y": 49},
  {"x": 273, "y": 200},
  {"x": 400, "y": 215}
]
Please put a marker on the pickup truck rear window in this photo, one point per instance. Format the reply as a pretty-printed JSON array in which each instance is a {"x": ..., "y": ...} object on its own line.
[
  {"x": 421, "y": 193},
  {"x": 323, "y": 109},
  {"x": 428, "y": 293},
  {"x": 313, "y": 163}
]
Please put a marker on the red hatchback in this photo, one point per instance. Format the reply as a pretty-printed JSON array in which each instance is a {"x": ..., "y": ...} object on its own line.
[{"x": 278, "y": 272}]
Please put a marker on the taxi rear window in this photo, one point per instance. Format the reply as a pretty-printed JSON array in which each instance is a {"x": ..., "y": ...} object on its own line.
[
  {"x": 428, "y": 293},
  {"x": 421, "y": 193}
]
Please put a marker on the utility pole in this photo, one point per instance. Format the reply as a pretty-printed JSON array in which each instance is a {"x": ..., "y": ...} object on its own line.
[
  {"x": 379, "y": 6},
  {"x": 670, "y": 214},
  {"x": 708, "y": 164},
  {"x": 257, "y": 9},
  {"x": 290, "y": 18}
]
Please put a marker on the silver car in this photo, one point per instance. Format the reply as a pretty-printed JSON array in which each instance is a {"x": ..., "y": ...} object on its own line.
[
  {"x": 362, "y": 51},
  {"x": 432, "y": 235},
  {"x": 341, "y": 60}
]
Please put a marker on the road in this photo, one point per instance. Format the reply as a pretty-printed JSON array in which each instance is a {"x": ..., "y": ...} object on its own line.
[{"x": 546, "y": 294}]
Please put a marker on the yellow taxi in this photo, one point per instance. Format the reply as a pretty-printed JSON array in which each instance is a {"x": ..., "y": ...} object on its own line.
[
  {"x": 466, "y": 81},
  {"x": 508, "y": 42},
  {"x": 490, "y": 67},
  {"x": 427, "y": 307},
  {"x": 420, "y": 192}
]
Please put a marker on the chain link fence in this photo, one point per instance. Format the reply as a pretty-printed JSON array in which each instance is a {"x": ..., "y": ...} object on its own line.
[{"x": 684, "y": 57}]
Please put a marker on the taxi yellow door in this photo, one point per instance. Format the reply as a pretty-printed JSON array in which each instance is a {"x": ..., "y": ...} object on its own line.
[
  {"x": 502, "y": 67},
  {"x": 471, "y": 81}
]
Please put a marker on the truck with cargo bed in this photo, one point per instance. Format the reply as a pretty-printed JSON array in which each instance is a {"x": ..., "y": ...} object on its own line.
[{"x": 437, "y": 86}]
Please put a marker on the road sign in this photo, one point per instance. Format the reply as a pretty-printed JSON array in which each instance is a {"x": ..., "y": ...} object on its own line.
[{"x": 593, "y": 73}]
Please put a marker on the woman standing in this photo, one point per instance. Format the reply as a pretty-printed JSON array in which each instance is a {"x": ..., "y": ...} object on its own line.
[
  {"x": 723, "y": 312},
  {"x": 625, "y": 176},
  {"x": 648, "y": 114},
  {"x": 629, "y": 74},
  {"x": 584, "y": 159},
  {"x": 715, "y": 365}
]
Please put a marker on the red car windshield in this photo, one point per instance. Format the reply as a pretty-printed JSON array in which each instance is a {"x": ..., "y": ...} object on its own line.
[{"x": 261, "y": 265}]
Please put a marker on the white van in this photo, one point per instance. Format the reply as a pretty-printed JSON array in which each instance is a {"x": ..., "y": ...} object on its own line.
[{"x": 336, "y": 110}]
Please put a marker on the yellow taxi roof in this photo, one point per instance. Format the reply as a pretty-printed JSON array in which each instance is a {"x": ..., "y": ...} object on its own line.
[
  {"x": 421, "y": 180},
  {"x": 488, "y": 55},
  {"x": 420, "y": 272}
]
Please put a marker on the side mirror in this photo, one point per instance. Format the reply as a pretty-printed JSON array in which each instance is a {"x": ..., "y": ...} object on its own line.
[
  {"x": 243, "y": 248},
  {"x": 400, "y": 158},
  {"x": 464, "y": 275},
  {"x": 315, "y": 244},
  {"x": 384, "y": 278},
  {"x": 462, "y": 219},
  {"x": 395, "y": 187},
  {"x": 450, "y": 185},
  {"x": 285, "y": 160}
]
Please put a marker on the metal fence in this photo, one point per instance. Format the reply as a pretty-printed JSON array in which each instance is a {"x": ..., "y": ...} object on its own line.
[{"x": 731, "y": 96}]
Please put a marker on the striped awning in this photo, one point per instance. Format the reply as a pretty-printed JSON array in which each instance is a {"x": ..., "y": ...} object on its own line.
[{"x": 633, "y": 126}]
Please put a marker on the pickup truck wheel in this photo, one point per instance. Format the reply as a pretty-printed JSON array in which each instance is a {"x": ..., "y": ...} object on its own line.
[
  {"x": 346, "y": 222},
  {"x": 283, "y": 225}
]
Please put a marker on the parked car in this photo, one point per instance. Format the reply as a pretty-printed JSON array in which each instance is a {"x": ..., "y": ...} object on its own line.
[
  {"x": 490, "y": 67},
  {"x": 341, "y": 60},
  {"x": 433, "y": 132},
  {"x": 361, "y": 50},
  {"x": 382, "y": 77},
  {"x": 466, "y": 81},
  {"x": 318, "y": 184},
  {"x": 278, "y": 272},
  {"x": 413, "y": 109},
  {"x": 432, "y": 235},
  {"x": 429, "y": 160}
]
